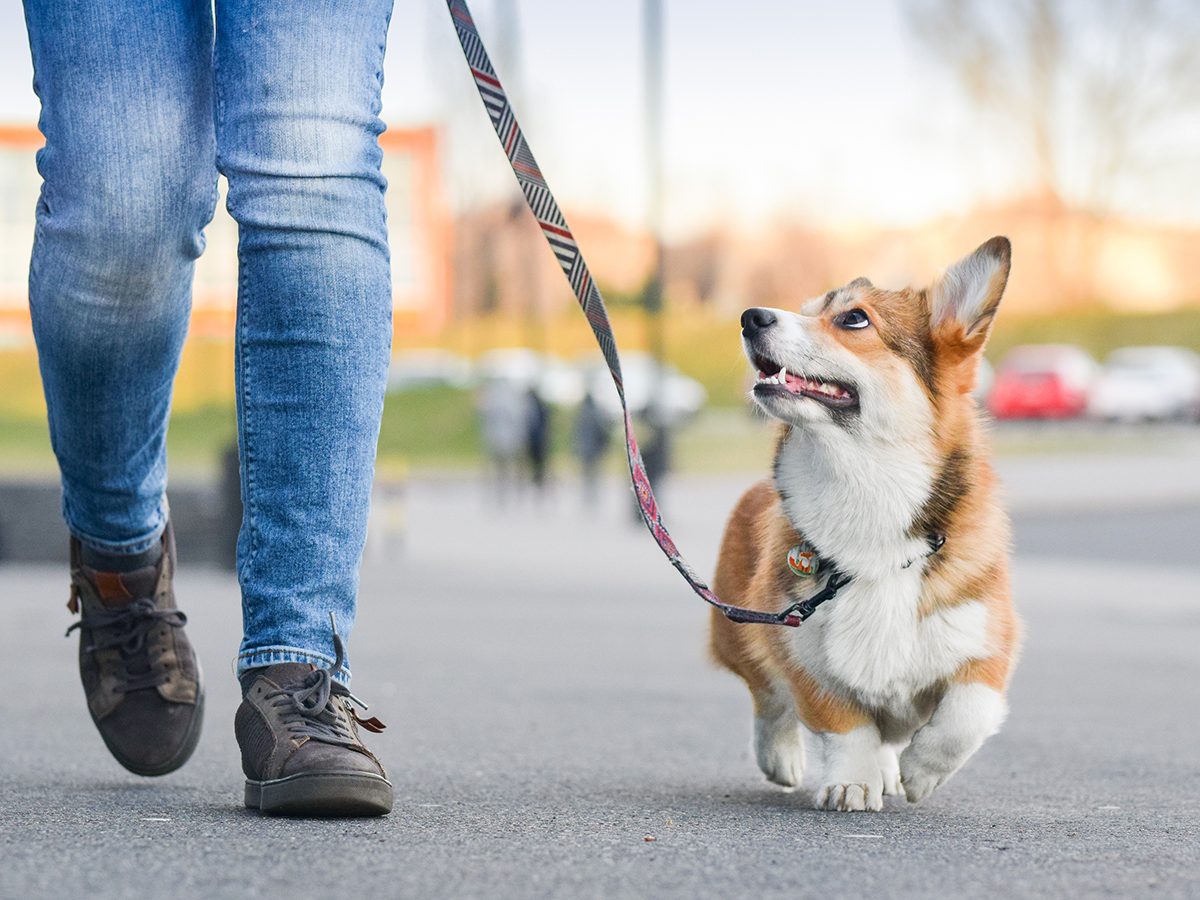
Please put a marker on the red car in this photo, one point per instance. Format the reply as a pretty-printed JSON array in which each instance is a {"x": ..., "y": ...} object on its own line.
[{"x": 1042, "y": 381}]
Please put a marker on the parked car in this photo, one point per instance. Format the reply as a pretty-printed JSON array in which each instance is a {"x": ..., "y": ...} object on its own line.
[
  {"x": 557, "y": 382},
  {"x": 1147, "y": 383},
  {"x": 414, "y": 369},
  {"x": 985, "y": 377},
  {"x": 1042, "y": 381},
  {"x": 678, "y": 397}
]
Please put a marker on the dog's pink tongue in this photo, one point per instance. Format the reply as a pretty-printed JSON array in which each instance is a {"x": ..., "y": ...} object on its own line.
[{"x": 795, "y": 383}]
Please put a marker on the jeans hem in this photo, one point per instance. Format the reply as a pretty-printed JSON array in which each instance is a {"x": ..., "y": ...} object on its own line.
[
  {"x": 122, "y": 548},
  {"x": 270, "y": 656}
]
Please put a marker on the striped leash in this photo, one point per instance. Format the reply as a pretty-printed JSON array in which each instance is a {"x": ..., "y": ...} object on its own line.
[{"x": 566, "y": 251}]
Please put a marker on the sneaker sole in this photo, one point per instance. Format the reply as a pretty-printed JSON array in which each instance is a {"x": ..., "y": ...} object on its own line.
[
  {"x": 323, "y": 794},
  {"x": 186, "y": 749}
]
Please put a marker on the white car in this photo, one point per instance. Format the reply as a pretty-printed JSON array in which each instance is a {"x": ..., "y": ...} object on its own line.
[
  {"x": 985, "y": 377},
  {"x": 556, "y": 381},
  {"x": 651, "y": 392},
  {"x": 1146, "y": 383}
]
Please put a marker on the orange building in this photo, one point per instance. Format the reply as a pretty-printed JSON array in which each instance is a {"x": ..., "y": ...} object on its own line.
[{"x": 418, "y": 226}]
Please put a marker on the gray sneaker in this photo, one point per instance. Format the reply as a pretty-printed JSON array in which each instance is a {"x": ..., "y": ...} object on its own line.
[
  {"x": 301, "y": 750},
  {"x": 143, "y": 683}
]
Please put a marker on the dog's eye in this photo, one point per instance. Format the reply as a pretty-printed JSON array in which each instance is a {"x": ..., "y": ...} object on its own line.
[{"x": 854, "y": 318}]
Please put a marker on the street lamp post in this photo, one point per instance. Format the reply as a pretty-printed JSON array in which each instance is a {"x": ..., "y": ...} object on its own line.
[
  {"x": 509, "y": 59},
  {"x": 657, "y": 455}
]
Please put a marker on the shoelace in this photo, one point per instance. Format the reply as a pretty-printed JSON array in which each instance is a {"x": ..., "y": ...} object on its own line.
[
  {"x": 310, "y": 705},
  {"x": 126, "y": 629}
]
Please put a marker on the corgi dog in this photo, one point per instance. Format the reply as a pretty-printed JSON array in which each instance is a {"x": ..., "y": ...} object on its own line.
[{"x": 883, "y": 497}]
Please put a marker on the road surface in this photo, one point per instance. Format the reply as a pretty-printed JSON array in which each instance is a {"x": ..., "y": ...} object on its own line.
[{"x": 551, "y": 710}]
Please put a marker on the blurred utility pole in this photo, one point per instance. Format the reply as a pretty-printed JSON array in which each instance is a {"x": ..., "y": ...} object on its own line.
[
  {"x": 510, "y": 63},
  {"x": 657, "y": 455}
]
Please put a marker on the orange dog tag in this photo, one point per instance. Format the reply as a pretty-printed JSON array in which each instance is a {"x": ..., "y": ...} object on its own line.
[{"x": 802, "y": 560}]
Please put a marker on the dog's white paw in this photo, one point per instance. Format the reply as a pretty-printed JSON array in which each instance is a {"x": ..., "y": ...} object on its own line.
[
  {"x": 779, "y": 750},
  {"x": 919, "y": 781},
  {"x": 860, "y": 797},
  {"x": 889, "y": 767},
  {"x": 964, "y": 718}
]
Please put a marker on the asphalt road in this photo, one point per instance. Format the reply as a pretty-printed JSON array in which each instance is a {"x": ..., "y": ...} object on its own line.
[{"x": 550, "y": 706}]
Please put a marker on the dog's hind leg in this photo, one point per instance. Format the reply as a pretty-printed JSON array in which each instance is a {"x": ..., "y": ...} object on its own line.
[
  {"x": 778, "y": 735},
  {"x": 778, "y": 741}
]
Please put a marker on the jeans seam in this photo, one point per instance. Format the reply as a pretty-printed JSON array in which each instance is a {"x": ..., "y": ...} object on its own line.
[
  {"x": 245, "y": 429},
  {"x": 387, "y": 21},
  {"x": 35, "y": 280}
]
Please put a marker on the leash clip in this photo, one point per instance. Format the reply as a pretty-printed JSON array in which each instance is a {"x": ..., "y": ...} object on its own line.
[{"x": 803, "y": 609}]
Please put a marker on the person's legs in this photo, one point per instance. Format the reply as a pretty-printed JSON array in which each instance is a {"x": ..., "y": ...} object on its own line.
[
  {"x": 298, "y": 100},
  {"x": 129, "y": 182}
]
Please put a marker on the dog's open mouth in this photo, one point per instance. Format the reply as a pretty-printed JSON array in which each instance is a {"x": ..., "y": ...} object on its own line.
[{"x": 774, "y": 379}]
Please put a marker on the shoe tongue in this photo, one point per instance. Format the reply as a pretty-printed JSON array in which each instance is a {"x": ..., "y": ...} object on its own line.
[
  {"x": 117, "y": 589},
  {"x": 287, "y": 674}
]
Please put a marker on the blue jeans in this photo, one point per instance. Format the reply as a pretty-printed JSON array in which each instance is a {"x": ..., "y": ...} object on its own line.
[{"x": 142, "y": 105}]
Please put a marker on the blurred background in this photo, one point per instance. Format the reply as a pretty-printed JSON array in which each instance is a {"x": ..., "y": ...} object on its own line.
[
  {"x": 556, "y": 724},
  {"x": 713, "y": 156}
]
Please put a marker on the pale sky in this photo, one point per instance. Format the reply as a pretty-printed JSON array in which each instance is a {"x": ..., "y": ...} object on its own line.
[{"x": 817, "y": 111}]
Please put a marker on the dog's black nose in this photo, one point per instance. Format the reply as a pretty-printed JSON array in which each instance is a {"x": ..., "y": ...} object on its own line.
[{"x": 757, "y": 319}]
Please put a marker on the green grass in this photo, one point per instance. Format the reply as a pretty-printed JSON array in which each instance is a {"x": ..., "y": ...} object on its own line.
[
  {"x": 726, "y": 440},
  {"x": 439, "y": 429},
  {"x": 24, "y": 445},
  {"x": 433, "y": 426},
  {"x": 195, "y": 441},
  {"x": 428, "y": 429}
]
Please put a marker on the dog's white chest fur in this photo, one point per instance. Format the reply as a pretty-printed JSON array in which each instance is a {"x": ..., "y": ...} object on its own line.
[
  {"x": 858, "y": 501},
  {"x": 871, "y": 642}
]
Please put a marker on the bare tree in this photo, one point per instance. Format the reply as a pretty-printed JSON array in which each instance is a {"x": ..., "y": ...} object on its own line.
[{"x": 1094, "y": 87}]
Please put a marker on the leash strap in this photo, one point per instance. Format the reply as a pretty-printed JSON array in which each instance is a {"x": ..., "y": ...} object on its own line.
[{"x": 562, "y": 242}]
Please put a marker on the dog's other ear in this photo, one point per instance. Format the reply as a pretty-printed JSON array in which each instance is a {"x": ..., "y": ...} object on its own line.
[{"x": 967, "y": 296}]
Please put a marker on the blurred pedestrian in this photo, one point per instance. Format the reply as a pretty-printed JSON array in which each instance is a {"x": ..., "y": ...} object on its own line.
[
  {"x": 656, "y": 451},
  {"x": 142, "y": 105},
  {"x": 502, "y": 412},
  {"x": 537, "y": 436},
  {"x": 590, "y": 441}
]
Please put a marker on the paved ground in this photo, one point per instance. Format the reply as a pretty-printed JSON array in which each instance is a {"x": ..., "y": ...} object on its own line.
[{"x": 551, "y": 706}]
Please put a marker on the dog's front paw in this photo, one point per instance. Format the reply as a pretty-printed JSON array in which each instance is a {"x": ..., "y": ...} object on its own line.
[
  {"x": 964, "y": 717},
  {"x": 849, "y": 797},
  {"x": 779, "y": 750},
  {"x": 919, "y": 781},
  {"x": 889, "y": 768},
  {"x": 783, "y": 766}
]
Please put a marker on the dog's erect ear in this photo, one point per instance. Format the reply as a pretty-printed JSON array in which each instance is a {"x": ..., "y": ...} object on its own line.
[{"x": 966, "y": 298}]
